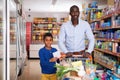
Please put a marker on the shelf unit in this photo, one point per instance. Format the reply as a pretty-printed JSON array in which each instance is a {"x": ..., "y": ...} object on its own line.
[
  {"x": 108, "y": 40},
  {"x": 62, "y": 20},
  {"x": 39, "y": 27},
  {"x": 44, "y": 25},
  {"x": 104, "y": 64},
  {"x": 107, "y": 47},
  {"x": 108, "y": 28},
  {"x": 108, "y": 52},
  {"x": 12, "y": 30},
  {"x": 107, "y": 66},
  {"x": 1, "y": 31}
]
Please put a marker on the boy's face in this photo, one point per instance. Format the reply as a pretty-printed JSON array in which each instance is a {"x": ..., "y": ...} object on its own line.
[{"x": 48, "y": 41}]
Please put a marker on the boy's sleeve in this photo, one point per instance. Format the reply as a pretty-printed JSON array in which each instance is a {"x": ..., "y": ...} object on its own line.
[{"x": 43, "y": 59}]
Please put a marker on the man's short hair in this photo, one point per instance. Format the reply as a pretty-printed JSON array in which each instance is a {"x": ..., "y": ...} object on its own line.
[{"x": 74, "y": 6}]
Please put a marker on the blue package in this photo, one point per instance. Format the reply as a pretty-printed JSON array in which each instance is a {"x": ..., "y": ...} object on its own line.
[
  {"x": 118, "y": 49},
  {"x": 66, "y": 79},
  {"x": 94, "y": 4},
  {"x": 115, "y": 78}
]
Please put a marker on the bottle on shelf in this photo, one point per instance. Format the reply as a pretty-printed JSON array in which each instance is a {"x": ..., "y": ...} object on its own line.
[{"x": 107, "y": 45}]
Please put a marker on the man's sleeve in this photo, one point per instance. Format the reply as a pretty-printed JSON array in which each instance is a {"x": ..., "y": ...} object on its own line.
[
  {"x": 61, "y": 40},
  {"x": 90, "y": 37}
]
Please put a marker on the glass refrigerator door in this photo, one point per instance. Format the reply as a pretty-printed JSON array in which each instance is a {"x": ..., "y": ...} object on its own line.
[
  {"x": 22, "y": 38},
  {"x": 1, "y": 39},
  {"x": 13, "y": 40}
]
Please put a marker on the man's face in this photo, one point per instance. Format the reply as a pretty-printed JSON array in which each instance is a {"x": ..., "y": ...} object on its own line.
[{"x": 74, "y": 13}]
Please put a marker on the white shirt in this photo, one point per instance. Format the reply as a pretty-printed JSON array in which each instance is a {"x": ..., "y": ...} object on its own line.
[{"x": 72, "y": 38}]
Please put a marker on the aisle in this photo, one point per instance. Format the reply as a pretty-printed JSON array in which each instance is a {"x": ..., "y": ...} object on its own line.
[
  {"x": 1, "y": 69},
  {"x": 31, "y": 71}
]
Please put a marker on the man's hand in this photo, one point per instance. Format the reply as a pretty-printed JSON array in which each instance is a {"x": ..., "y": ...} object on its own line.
[
  {"x": 86, "y": 55},
  {"x": 69, "y": 54},
  {"x": 54, "y": 59},
  {"x": 65, "y": 55}
]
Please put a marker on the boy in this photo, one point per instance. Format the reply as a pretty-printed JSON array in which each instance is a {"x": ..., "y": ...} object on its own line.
[{"x": 47, "y": 61}]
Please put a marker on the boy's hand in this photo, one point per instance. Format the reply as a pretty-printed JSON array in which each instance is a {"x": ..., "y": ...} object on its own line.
[
  {"x": 54, "y": 59},
  {"x": 63, "y": 55}
]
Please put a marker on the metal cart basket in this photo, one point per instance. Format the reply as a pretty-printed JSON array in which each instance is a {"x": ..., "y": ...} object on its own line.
[{"x": 73, "y": 71}]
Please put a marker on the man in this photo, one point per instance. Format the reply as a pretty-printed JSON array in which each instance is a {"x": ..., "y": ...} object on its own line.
[{"x": 72, "y": 35}]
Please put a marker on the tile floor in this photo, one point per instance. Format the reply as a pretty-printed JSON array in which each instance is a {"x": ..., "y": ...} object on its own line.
[
  {"x": 13, "y": 70},
  {"x": 1, "y": 69},
  {"x": 31, "y": 70}
]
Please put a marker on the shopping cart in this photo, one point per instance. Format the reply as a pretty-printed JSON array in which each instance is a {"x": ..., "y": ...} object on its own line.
[{"x": 69, "y": 62}]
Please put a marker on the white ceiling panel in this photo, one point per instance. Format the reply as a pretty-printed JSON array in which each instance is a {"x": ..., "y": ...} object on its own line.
[
  {"x": 50, "y": 8},
  {"x": 46, "y": 5},
  {"x": 59, "y": 6}
]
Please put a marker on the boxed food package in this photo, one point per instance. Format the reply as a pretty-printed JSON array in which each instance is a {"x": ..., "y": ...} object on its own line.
[{"x": 117, "y": 4}]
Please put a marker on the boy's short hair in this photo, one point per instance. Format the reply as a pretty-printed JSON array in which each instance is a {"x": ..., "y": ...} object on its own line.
[{"x": 47, "y": 35}]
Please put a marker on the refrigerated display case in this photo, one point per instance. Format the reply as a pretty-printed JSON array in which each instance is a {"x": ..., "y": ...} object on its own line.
[
  {"x": 1, "y": 40},
  {"x": 16, "y": 39},
  {"x": 12, "y": 41}
]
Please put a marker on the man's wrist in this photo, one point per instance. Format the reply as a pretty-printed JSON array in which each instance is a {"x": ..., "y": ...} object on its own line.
[
  {"x": 86, "y": 54},
  {"x": 69, "y": 54},
  {"x": 87, "y": 51}
]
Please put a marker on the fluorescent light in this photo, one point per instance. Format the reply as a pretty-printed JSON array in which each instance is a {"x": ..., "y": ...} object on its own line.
[
  {"x": 12, "y": 4},
  {"x": 54, "y": 2}
]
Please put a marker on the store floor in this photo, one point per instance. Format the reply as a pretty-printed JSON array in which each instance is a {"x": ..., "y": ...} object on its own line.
[
  {"x": 12, "y": 69},
  {"x": 31, "y": 70},
  {"x": 1, "y": 69}
]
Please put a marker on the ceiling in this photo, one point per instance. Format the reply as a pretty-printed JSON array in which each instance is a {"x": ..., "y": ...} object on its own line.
[
  {"x": 52, "y": 5},
  {"x": 49, "y": 5},
  {"x": 55, "y": 5},
  {"x": 49, "y": 8}
]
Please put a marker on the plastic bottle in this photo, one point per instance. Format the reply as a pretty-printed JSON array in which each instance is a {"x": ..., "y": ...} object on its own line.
[{"x": 118, "y": 70}]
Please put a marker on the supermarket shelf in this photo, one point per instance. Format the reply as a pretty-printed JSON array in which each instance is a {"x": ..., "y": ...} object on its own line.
[
  {"x": 107, "y": 28},
  {"x": 101, "y": 29},
  {"x": 45, "y": 22},
  {"x": 117, "y": 12},
  {"x": 41, "y": 42},
  {"x": 95, "y": 20},
  {"x": 107, "y": 16},
  {"x": 94, "y": 31},
  {"x": 43, "y": 25},
  {"x": 103, "y": 64},
  {"x": 13, "y": 31},
  {"x": 108, "y": 40},
  {"x": 107, "y": 66},
  {"x": 46, "y": 27},
  {"x": 0, "y": 36},
  {"x": 117, "y": 75},
  {"x": 108, "y": 52}
]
